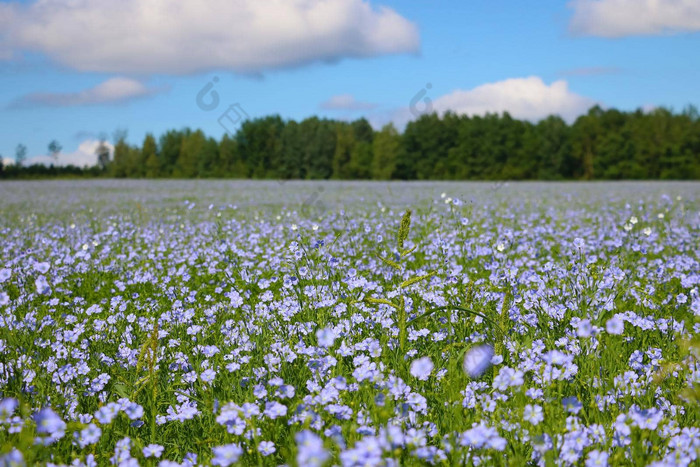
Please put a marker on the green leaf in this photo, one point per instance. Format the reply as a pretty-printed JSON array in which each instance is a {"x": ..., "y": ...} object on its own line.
[
  {"x": 120, "y": 389},
  {"x": 413, "y": 280},
  {"x": 389, "y": 262},
  {"x": 404, "y": 228}
]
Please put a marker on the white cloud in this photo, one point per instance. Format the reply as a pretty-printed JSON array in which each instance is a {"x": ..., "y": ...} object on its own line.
[
  {"x": 346, "y": 102},
  {"x": 188, "y": 36},
  {"x": 619, "y": 18},
  {"x": 114, "y": 90},
  {"x": 523, "y": 98},
  {"x": 84, "y": 156}
]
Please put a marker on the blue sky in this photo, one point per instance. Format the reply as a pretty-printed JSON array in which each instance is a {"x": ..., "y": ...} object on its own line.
[{"x": 73, "y": 73}]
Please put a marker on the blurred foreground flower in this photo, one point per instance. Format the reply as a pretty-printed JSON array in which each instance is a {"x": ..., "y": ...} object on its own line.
[
  {"x": 7, "y": 408},
  {"x": 50, "y": 424},
  {"x": 226, "y": 455},
  {"x": 13, "y": 458},
  {"x": 477, "y": 360},
  {"x": 310, "y": 449},
  {"x": 421, "y": 368}
]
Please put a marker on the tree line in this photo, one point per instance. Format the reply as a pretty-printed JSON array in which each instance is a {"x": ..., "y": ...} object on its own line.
[{"x": 602, "y": 144}]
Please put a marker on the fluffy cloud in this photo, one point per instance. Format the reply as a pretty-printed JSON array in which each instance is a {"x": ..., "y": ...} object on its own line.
[
  {"x": 619, "y": 18},
  {"x": 346, "y": 102},
  {"x": 188, "y": 36},
  {"x": 524, "y": 98},
  {"x": 84, "y": 156},
  {"x": 114, "y": 90}
]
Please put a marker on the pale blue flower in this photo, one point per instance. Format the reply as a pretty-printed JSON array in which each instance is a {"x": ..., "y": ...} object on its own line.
[
  {"x": 615, "y": 325},
  {"x": 533, "y": 414},
  {"x": 226, "y": 455},
  {"x": 421, "y": 368},
  {"x": 266, "y": 448},
  {"x": 326, "y": 337},
  {"x": 477, "y": 360},
  {"x": 49, "y": 423},
  {"x": 597, "y": 459},
  {"x": 153, "y": 450}
]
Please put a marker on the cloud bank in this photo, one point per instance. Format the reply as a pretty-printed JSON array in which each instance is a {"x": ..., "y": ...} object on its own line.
[
  {"x": 188, "y": 36},
  {"x": 523, "y": 98},
  {"x": 112, "y": 91},
  {"x": 620, "y": 18}
]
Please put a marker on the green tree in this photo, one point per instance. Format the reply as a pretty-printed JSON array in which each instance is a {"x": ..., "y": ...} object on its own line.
[
  {"x": 208, "y": 159},
  {"x": 191, "y": 151},
  {"x": 20, "y": 154},
  {"x": 169, "y": 146},
  {"x": 360, "y": 166},
  {"x": 230, "y": 164},
  {"x": 319, "y": 140},
  {"x": 102, "y": 153},
  {"x": 259, "y": 143},
  {"x": 292, "y": 165},
  {"x": 55, "y": 149},
  {"x": 585, "y": 136},
  {"x": 121, "y": 154},
  {"x": 553, "y": 149},
  {"x": 602, "y": 144},
  {"x": 150, "y": 156},
  {"x": 345, "y": 142},
  {"x": 385, "y": 152}
]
